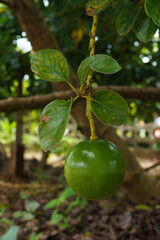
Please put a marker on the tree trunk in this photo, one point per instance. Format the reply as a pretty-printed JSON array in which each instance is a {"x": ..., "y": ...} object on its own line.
[
  {"x": 17, "y": 149},
  {"x": 38, "y": 33},
  {"x": 19, "y": 132},
  {"x": 137, "y": 184}
]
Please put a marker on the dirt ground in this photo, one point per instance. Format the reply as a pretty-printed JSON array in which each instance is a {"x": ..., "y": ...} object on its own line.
[{"x": 115, "y": 218}]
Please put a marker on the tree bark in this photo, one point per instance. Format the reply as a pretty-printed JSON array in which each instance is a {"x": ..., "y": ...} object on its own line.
[
  {"x": 41, "y": 37},
  {"x": 38, "y": 33},
  {"x": 19, "y": 132},
  {"x": 17, "y": 150}
]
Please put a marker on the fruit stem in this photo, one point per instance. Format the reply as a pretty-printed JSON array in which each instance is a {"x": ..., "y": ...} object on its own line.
[
  {"x": 92, "y": 51},
  {"x": 93, "y": 136}
]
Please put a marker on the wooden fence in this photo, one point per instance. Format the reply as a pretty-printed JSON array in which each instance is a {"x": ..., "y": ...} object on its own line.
[{"x": 142, "y": 139}]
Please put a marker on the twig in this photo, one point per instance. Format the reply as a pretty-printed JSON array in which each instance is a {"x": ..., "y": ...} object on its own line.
[
  {"x": 149, "y": 168},
  {"x": 39, "y": 101}
]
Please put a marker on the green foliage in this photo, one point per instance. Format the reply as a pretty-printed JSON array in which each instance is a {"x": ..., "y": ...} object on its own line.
[
  {"x": 3, "y": 208},
  {"x": 29, "y": 214},
  {"x": 67, "y": 192},
  {"x": 35, "y": 236},
  {"x": 143, "y": 207},
  {"x": 64, "y": 145},
  {"x": 7, "y": 131},
  {"x": 127, "y": 17},
  {"x": 24, "y": 215},
  {"x": 145, "y": 17},
  {"x": 56, "y": 217},
  {"x": 59, "y": 203},
  {"x": 32, "y": 206},
  {"x": 6, "y": 221},
  {"x": 99, "y": 63},
  {"x": 109, "y": 107},
  {"x": 110, "y": 110},
  {"x": 50, "y": 65},
  {"x": 152, "y": 8},
  {"x": 40, "y": 175},
  {"x": 80, "y": 202},
  {"x": 53, "y": 122},
  {"x": 144, "y": 27},
  {"x": 96, "y": 6},
  {"x": 12, "y": 233}
]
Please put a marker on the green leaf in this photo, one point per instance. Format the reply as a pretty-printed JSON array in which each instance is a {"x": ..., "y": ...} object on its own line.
[
  {"x": 127, "y": 17},
  {"x": 96, "y": 6},
  {"x": 152, "y": 8},
  {"x": 51, "y": 204},
  {"x": 144, "y": 27},
  {"x": 53, "y": 123},
  {"x": 109, "y": 107},
  {"x": 68, "y": 192},
  {"x": 35, "y": 236},
  {"x": 24, "y": 215},
  {"x": 17, "y": 214},
  {"x": 27, "y": 216},
  {"x": 72, "y": 205},
  {"x": 143, "y": 207},
  {"x": 50, "y": 65},
  {"x": 56, "y": 217},
  {"x": 32, "y": 206},
  {"x": 99, "y": 63},
  {"x": 11, "y": 234}
]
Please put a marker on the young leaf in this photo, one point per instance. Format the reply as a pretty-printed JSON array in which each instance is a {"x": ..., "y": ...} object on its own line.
[
  {"x": 127, "y": 17},
  {"x": 67, "y": 192},
  {"x": 152, "y": 8},
  {"x": 53, "y": 123},
  {"x": 50, "y": 65},
  {"x": 96, "y": 6},
  {"x": 12, "y": 233},
  {"x": 32, "y": 206},
  {"x": 109, "y": 107},
  {"x": 145, "y": 28},
  {"x": 56, "y": 217},
  {"x": 51, "y": 204},
  {"x": 99, "y": 63}
]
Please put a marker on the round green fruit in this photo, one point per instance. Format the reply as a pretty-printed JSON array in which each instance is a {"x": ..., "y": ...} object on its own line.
[{"x": 94, "y": 169}]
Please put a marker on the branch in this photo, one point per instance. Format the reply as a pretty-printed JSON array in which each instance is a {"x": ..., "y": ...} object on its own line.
[
  {"x": 39, "y": 101},
  {"x": 149, "y": 168}
]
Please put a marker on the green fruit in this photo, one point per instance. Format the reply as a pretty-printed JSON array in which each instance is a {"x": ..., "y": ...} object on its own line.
[{"x": 94, "y": 169}]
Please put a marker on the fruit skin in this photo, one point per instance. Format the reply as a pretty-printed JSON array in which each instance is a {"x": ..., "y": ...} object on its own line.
[{"x": 94, "y": 169}]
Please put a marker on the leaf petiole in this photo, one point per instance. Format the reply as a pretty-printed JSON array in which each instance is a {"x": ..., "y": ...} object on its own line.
[
  {"x": 71, "y": 86},
  {"x": 75, "y": 98}
]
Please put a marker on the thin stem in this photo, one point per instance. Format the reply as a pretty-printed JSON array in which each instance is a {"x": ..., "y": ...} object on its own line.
[
  {"x": 81, "y": 88},
  {"x": 76, "y": 98},
  {"x": 92, "y": 35},
  {"x": 71, "y": 86},
  {"x": 92, "y": 51},
  {"x": 92, "y": 42},
  {"x": 93, "y": 136}
]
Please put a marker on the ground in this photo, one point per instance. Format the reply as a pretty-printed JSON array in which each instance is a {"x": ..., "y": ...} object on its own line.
[{"x": 70, "y": 217}]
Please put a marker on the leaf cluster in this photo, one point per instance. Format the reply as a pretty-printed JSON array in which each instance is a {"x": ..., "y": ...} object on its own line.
[
  {"x": 107, "y": 105},
  {"x": 59, "y": 202}
]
